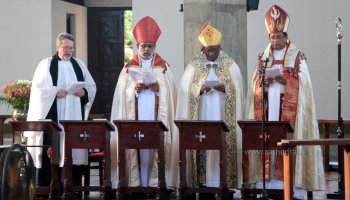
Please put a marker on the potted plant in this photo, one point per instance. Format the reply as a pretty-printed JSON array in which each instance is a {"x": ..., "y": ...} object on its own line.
[{"x": 17, "y": 95}]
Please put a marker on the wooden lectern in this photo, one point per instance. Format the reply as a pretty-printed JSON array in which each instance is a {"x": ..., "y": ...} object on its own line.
[
  {"x": 86, "y": 135},
  {"x": 48, "y": 127},
  {"x": 202, "y": 135},
  {"x": 252, "y": 140},
  {"x": 141, "y": 134}
]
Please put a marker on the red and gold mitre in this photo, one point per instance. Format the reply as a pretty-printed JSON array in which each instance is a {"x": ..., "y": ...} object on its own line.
[
  {"x": 276, "y": 20},
  {"x": 146, "y": 31},
  {"x": 209, "y": 36}
]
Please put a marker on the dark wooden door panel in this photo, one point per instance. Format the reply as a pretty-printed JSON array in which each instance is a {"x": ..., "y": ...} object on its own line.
[{"x": 106, "y": 53}]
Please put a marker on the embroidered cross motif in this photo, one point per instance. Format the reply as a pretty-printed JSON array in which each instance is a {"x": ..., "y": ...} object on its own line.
[
  {"x": 209, "y": 33},
  {"x": 200, "y": 136},
  {"x": 84, "y": 135},
  {"x": 266, "y": 137},
  {"x": 139, "y": 135}
]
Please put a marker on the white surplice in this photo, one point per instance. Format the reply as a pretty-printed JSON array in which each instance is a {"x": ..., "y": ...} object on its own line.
[
  {"x": 212, "y": 107},
  {"x": 146, "y": 108},
  {"x": 275, "y": 89},
  {"x": 43, "y": 94}
]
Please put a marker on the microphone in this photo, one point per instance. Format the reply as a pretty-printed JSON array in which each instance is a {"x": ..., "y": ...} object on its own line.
[
  {"x": 266, "y": 61},
  {"x": 263, "y": 72}
]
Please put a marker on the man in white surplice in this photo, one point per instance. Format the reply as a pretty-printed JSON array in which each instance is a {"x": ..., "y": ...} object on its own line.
[
  {"x": 146, "y": 90},
  {"x": 51, "y": 98},
  {"x": 211, "y": 89},
  {"x": 290, "y": 98}
]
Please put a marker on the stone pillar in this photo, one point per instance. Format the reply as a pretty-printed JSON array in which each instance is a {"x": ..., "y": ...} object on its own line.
[{"x": 229, "y": 17}]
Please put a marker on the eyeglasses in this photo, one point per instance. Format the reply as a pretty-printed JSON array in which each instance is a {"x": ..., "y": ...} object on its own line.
[
  {"x": 66, "y": 48},
  {"x": 149, "y": 45},
  {"x": 277, "y": 37}
]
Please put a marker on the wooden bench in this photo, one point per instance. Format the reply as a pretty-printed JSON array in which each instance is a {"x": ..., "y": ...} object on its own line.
[
  {"x": 325, "y": 124},
  {"x": 288, "y": 148}
]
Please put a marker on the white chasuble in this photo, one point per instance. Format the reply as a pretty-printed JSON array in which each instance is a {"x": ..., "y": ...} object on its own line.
[
  {"x": 212, "y": 107},
  {"x": 69, "y": 108},
  {"x": 124, "y": 107}
]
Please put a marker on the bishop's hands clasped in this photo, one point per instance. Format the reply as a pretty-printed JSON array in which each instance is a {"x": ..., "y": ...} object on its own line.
[
  {"x": 279, "y": 79},
  {"x": 153, "y": 87},
  {"x": 220, "y": 87}
]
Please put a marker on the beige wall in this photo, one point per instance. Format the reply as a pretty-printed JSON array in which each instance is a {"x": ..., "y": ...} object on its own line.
[
  {"x": 28, "y": 34},
  {"x": 312, "y": 30},
  {"x": 24, "y": 37},
  {"x": 60, "y": 10},
  {"x": 171, "y": 42}
]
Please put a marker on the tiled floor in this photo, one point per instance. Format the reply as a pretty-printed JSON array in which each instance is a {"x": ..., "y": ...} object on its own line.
[{"x": 331, "y": 181}]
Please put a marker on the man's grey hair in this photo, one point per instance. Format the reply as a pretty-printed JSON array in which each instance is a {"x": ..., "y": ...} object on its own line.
[{"x": 63, "y": 36}]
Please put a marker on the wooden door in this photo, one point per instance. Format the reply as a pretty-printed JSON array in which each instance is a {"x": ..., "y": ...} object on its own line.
[{"x": 105, "y": 53}]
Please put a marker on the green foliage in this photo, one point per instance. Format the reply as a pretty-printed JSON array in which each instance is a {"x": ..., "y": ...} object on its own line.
[{"x": 128, "y": 53}]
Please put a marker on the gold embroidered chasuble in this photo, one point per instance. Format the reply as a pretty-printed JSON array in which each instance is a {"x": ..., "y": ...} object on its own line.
[{"x": 197, "y": 162}]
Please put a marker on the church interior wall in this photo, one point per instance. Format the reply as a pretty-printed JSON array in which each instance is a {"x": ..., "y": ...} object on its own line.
[
  {"x": 31, "y": 33},
  {"x": 60, "y": 10},
  {"x": 26, "y": 35}
]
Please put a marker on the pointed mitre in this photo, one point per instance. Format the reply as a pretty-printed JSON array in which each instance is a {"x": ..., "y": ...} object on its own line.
[
  {"x": 209, "y": 36},
  {"x": 146, "y": 31},
  {"x": 276, "y": 20}
]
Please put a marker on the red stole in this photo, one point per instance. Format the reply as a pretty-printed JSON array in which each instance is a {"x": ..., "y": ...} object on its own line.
[{"x": 288, "y": 108}]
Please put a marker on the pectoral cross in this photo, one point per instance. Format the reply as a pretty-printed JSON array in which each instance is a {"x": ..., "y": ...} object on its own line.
[
  {"x": 214, "y": 66},
  {"x": 139, "y": 135},
  {"x": 84, "y": 135},
  {"x": 200, "y": 136}
]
